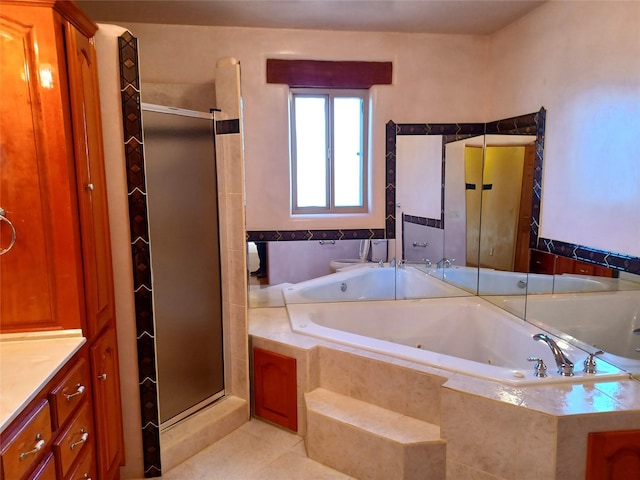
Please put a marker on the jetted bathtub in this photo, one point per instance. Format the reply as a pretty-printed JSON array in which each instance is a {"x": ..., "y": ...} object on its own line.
[{"x": 466, "y": 335}]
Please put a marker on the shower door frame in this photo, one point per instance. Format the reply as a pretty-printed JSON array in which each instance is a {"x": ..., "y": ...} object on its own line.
[{"x": 168, "y": 110}]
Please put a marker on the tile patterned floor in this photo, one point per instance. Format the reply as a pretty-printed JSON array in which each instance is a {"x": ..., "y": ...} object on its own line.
[{"x": 255, "y": 451}]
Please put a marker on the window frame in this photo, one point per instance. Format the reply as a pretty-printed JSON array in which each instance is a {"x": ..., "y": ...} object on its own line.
[{"x": 330, "y": 94}]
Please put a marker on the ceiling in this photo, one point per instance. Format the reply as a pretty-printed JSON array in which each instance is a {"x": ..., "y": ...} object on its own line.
[{"x": 475, "y": 17}]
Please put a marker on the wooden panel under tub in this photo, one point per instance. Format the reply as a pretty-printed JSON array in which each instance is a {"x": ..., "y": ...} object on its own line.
[
  {"x": 613, "y": 455},
  {"x": 274, "y": 386}
]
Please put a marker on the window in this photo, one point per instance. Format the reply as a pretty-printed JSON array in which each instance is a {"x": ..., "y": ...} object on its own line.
[{"x": 328, "y": 151}]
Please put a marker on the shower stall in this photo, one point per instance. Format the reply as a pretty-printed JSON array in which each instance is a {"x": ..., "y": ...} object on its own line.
[{"x": 180, "y": 172}]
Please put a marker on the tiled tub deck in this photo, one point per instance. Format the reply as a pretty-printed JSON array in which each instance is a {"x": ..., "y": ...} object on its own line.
[{"x": 492, "y": 431}]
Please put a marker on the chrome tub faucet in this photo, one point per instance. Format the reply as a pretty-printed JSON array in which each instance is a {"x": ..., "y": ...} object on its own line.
[
  {"x": 445, "y": 262},
  {"x": 565, "y": 366}
]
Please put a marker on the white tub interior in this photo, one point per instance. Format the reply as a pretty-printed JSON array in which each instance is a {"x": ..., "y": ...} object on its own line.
[{"x": 464, "y": 335}]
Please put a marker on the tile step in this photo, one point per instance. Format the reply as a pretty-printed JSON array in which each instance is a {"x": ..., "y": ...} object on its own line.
[
  {"x": 202, "y": 429},
  {"x": 371, "y": 442}
]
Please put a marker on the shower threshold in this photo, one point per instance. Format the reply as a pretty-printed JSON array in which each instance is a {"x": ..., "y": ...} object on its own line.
[{"x": 175, "y": 420}]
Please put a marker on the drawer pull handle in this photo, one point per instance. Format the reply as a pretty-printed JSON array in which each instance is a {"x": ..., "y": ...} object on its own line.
[
  {"x": 37, "y": 447},
  {"x": 103, "y": 377},
  {"x": 79, "y": 391},
  {"x": 83, "y": 438},
  {"x": 90, "y": 186}
]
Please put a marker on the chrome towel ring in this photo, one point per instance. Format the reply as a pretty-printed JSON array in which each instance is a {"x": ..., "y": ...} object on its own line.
[{"x": 3, "y": 218}]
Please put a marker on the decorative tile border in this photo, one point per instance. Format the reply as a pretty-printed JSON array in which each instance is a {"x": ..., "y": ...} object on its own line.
[
  {"x": 301, "y": 235},
  {"x": 427, "y": 222},
  {"x": 224, "y": 127},
  {"x": 616, "y": 261},
  {"x": 138, "y": 221}
]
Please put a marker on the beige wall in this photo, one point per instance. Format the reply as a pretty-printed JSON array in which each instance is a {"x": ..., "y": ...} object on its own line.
[
  {"x": 581, "y": 61},
  {"x": 232, "y": 238},
  {"x": 573, "y": 58},
  {"x": 436, "y": 78},
  {"x": 116, "y": 175}
]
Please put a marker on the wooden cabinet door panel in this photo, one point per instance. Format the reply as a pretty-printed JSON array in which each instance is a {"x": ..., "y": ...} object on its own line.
[
  {"x": 613, "y": 455},
  {"x": 107, "y": 406},
  {"x": 91, "y": 183},
  {"x": 40, "y": 277},
  {"x": 275, "y": 388}
]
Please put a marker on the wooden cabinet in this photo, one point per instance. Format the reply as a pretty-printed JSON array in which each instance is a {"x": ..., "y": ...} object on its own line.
[
  {"x": 91, "y": 183},
  {"x": 275, "y": 388},
  {"x": 613, "y": 455},
  {"x": 45, "y": 471},
  {"x": 51, "y": 439},
  {"x": 73, "y": 440},
  {"x": 548, "y": 263},
  {"x": 31, "y": 441},
  {"x": 104, "y": 369},
  {"x": 58, "y": 274},
  {"x": 40, "y": 277}
]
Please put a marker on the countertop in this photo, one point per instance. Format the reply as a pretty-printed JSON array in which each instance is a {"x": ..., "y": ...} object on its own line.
[{"x": 27, "y": 362}]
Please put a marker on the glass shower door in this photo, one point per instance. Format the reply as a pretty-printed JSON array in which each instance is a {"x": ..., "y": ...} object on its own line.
[{"x": 185, "y": 260}]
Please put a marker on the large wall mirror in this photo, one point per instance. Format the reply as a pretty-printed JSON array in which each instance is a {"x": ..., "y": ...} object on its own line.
[
  {"x": 478, "y": 240},
  {"x": 463, "y": 206},
  {"x": 433, "y": 188}
]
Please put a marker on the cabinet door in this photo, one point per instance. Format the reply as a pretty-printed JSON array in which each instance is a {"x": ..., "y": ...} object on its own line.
[
  {"x": 275, "y": 388},
  {"x": 613, "y": 455},
  {"x": 107, "y": 407},
  {"x": 40, "y": 277},
  {"x": 92, "y": 193}
]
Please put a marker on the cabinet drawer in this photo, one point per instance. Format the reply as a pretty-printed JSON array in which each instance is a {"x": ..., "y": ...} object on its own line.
[
  {"x": 69, "y": 392},
  {"x": 26, "y": 448},
  {"x": 74, "y": 439},
  {"x": 583, "y": 268},
  {"x": 46, "y": 470},
  {"x": 86, "y": 467}
]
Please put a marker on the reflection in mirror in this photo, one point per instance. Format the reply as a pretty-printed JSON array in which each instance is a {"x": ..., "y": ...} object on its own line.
[
  {"x": 591, "y": 306},
  {"x": 504, "y": 196},
  {"x": 292, "y": 262},
  {"x": 431, "y": 238},
  {"x": 418, "y": 197},
  {"x": 445, "y": 255}
]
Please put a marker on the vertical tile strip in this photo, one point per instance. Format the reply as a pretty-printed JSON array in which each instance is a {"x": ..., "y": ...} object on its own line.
[
  {"x": 138, "y": 219},
  {"x": 540, "y": 121}
]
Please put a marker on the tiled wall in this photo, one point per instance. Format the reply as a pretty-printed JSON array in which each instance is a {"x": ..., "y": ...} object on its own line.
[
  {"x": 230, "y": 166},
  {"x": 139, "y": 226},
  {"x": 232, "y": 254}
]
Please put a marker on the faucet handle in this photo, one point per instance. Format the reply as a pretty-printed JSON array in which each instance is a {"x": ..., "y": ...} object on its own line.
[
  {"x": 448, "y": 262},
  {"x": 427, "y": 262},
  {"x": 539, "y": 369},
  {"x": 590, "y": 362}
]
